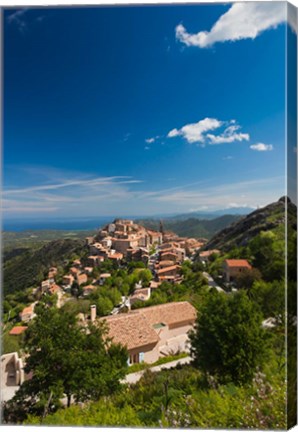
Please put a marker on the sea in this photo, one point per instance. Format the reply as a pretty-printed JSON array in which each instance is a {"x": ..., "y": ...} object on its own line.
[{"x": 74, "y": 224}]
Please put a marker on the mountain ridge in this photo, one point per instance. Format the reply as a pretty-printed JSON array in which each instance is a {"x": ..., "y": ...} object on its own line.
[{"x": 242, "y": 231}]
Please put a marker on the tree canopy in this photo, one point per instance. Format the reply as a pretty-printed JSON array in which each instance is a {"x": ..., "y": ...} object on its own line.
[
  {"x": 228, "y": 341},
  {"x": 67, "y": 358}
]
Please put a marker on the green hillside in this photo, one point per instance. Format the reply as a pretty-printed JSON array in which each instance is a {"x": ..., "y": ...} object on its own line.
[
  {"x": 27, "y": 267},
  {"x": 192, "y": 227},
  {"x": 241, "y": 232}
]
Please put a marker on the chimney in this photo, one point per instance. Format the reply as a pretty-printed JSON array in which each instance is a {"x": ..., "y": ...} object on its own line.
[{"x": 93, "y": 312}]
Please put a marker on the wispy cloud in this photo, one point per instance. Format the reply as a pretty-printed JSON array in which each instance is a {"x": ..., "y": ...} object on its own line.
[
  {"x": 18, "y": 19},
  {"x": 197, "y": 132},
  {"x": 245, "y": 20},
  {"x": 66, "y": 193},
  {"x": 99, "y": 181},
  {"x": 261, "y": 147},
  {"x": 121, "y": 195},
  {"x": 250, "y": 193},
  {"x": 152, "y": 139}
]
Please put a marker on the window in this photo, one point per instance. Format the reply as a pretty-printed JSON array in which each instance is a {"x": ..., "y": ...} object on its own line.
[{"x": 134, "y": 358}]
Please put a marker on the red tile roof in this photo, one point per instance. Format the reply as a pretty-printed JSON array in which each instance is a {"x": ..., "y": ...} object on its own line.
[
  {"x": 17, "y": 330},
  {"x": 238, "y": 263}
]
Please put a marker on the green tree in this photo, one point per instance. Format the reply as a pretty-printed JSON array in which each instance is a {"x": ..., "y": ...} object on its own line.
[
  {"x": 228, "y": 341},
  {"x": 270, "y": 296},
  {"x": 268, "y": 251},
  {"x": 66, "y": 359},
  {"x": 247, "y": 277},
  {"x": 104, "y": 306},
  {"x": 76, "y": 290}
]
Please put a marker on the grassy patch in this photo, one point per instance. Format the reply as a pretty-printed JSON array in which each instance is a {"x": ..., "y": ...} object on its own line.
[{"x": 141, "y": 366}]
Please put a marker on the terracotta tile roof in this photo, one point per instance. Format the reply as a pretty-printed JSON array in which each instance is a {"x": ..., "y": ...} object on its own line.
[
  {"x": 166, "y": 263},
  {"x": 131, "y": 330},
  {"x": 17, "y": 330},
  {"x": 143, "y": 290},
  {"x": 74, "y": 270},
  {"x": 152, "y": 232},
  {"x": 135, "y": 329},
  {"x": 54, "y": 289},
  {"x": 116, "y": 255},
  {"x": 167, "y": 251},
  {"x": 82, "y": 278},
  {"x": 154, "y": 284},
  {"x": 209, "y": 252},
  {"x": 27, "y": 310},
  {"x": 170, "y": 313},
  {"x": 167, "y": 269},
  {"x": 165, "y": 256},
  {"x": 89, "y": 287},
  {"x": 161, "y": 278},
  {"x": 142, "y": 293},
  {"x": 88, "y": 269},
  {"x": 238, "y": 263}
]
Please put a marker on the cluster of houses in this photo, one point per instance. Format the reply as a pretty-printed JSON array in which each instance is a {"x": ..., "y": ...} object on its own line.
[{"x": 124, "y": 239}]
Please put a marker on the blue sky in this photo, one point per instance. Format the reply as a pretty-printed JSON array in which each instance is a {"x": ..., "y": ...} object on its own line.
[{"x": 143, "y": 110}]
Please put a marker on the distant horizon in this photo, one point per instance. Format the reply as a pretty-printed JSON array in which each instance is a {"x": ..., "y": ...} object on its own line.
[{"x": 83, "y": 223}]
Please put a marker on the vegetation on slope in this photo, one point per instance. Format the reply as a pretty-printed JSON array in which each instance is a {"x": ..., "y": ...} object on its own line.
[
  {"x": 192, "y": 227},
  {"x": 268, "y": 218},
  {"x": 30, "y": 267}
]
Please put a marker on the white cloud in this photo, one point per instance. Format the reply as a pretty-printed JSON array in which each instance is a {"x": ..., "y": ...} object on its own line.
[
  {"x": 173, "y": 133},
  {"x": 147, "y": 148},
  {"x": 152, "y": 140},
  {"x": 197, "y": 132},
  {"x": 242, "y": 21},
  {"x": 229, "y": 135},
  {"x": 194, "y": 132},
  {"x": 262, "y": 147}
]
